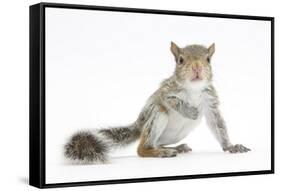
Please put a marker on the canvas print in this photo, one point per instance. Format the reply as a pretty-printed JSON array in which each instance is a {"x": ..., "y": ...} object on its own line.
[{"x": 132, "y": 95}]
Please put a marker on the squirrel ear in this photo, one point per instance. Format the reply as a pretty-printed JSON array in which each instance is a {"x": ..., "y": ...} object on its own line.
[
  {"x": 211, "y": 49},
  {"x": 175, "y": 49}
]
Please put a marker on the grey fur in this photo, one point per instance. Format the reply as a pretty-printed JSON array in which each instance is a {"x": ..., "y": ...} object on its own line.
[
  {"x": 214, "y": 118},
  {"x": 121, "y": 135},
  {"x": 86, "y": 147},
  {"x": 217, "y": 123},
  {"x": 155, "y": 126},
  {"x": 93, "y": 147},
  {"x": 182, "y": 107},
  {"x": 195, "y": 50}
]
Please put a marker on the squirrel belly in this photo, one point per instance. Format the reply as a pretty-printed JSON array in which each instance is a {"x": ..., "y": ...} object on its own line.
[
  {"x": 178, "y": 126},
  {"x": 177, "y": 129}
]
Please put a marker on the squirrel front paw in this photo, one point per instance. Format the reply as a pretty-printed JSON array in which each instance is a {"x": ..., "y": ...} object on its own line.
[
  {"x": 238, "y": 148},
  {"x": 192, "y": 112}
]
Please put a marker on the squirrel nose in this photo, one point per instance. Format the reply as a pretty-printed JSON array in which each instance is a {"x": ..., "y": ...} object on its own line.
[{"x": 196, "y": 68}]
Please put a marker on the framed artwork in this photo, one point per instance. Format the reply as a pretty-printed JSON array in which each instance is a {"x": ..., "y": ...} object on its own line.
[{"x": 120, "y": 95}]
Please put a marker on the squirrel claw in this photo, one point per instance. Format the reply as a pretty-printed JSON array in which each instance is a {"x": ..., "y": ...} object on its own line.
[{"x": 238, "y": 148}]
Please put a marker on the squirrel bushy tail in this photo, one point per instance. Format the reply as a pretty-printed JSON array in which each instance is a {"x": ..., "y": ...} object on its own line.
[{"x": 94, "y": 146}]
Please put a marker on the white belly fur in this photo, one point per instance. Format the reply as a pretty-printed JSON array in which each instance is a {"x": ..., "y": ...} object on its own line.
[{"x": 179, "y": 127}]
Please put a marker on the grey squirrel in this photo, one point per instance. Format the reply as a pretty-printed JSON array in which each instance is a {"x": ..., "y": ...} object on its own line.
[{"x": 168, "y": 116}]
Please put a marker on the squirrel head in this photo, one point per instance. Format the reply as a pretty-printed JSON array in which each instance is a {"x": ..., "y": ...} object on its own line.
[{"x": 193, "y": 63}]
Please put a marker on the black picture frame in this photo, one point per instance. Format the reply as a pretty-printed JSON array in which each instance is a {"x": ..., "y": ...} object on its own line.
[{"x": 37, "y": 143}]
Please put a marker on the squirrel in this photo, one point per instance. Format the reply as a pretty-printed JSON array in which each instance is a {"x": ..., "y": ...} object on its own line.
[{"x": 168, "y": 116}]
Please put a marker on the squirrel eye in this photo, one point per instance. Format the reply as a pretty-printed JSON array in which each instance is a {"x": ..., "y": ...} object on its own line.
[
  {"x": 181, "y": 60},
  {"x": 208, "y": 59}
]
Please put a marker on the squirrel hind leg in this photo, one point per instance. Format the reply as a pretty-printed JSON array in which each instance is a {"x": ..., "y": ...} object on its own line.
[
  {"x": 153, "y": 129},
  {"x": 156, "y": 152},
  {"x": 85, "y": 147}
]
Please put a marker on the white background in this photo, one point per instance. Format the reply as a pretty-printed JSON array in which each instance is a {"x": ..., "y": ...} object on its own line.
[
  {"x": 14, "y": 95},
  {"x": 102, "y": 66}
]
